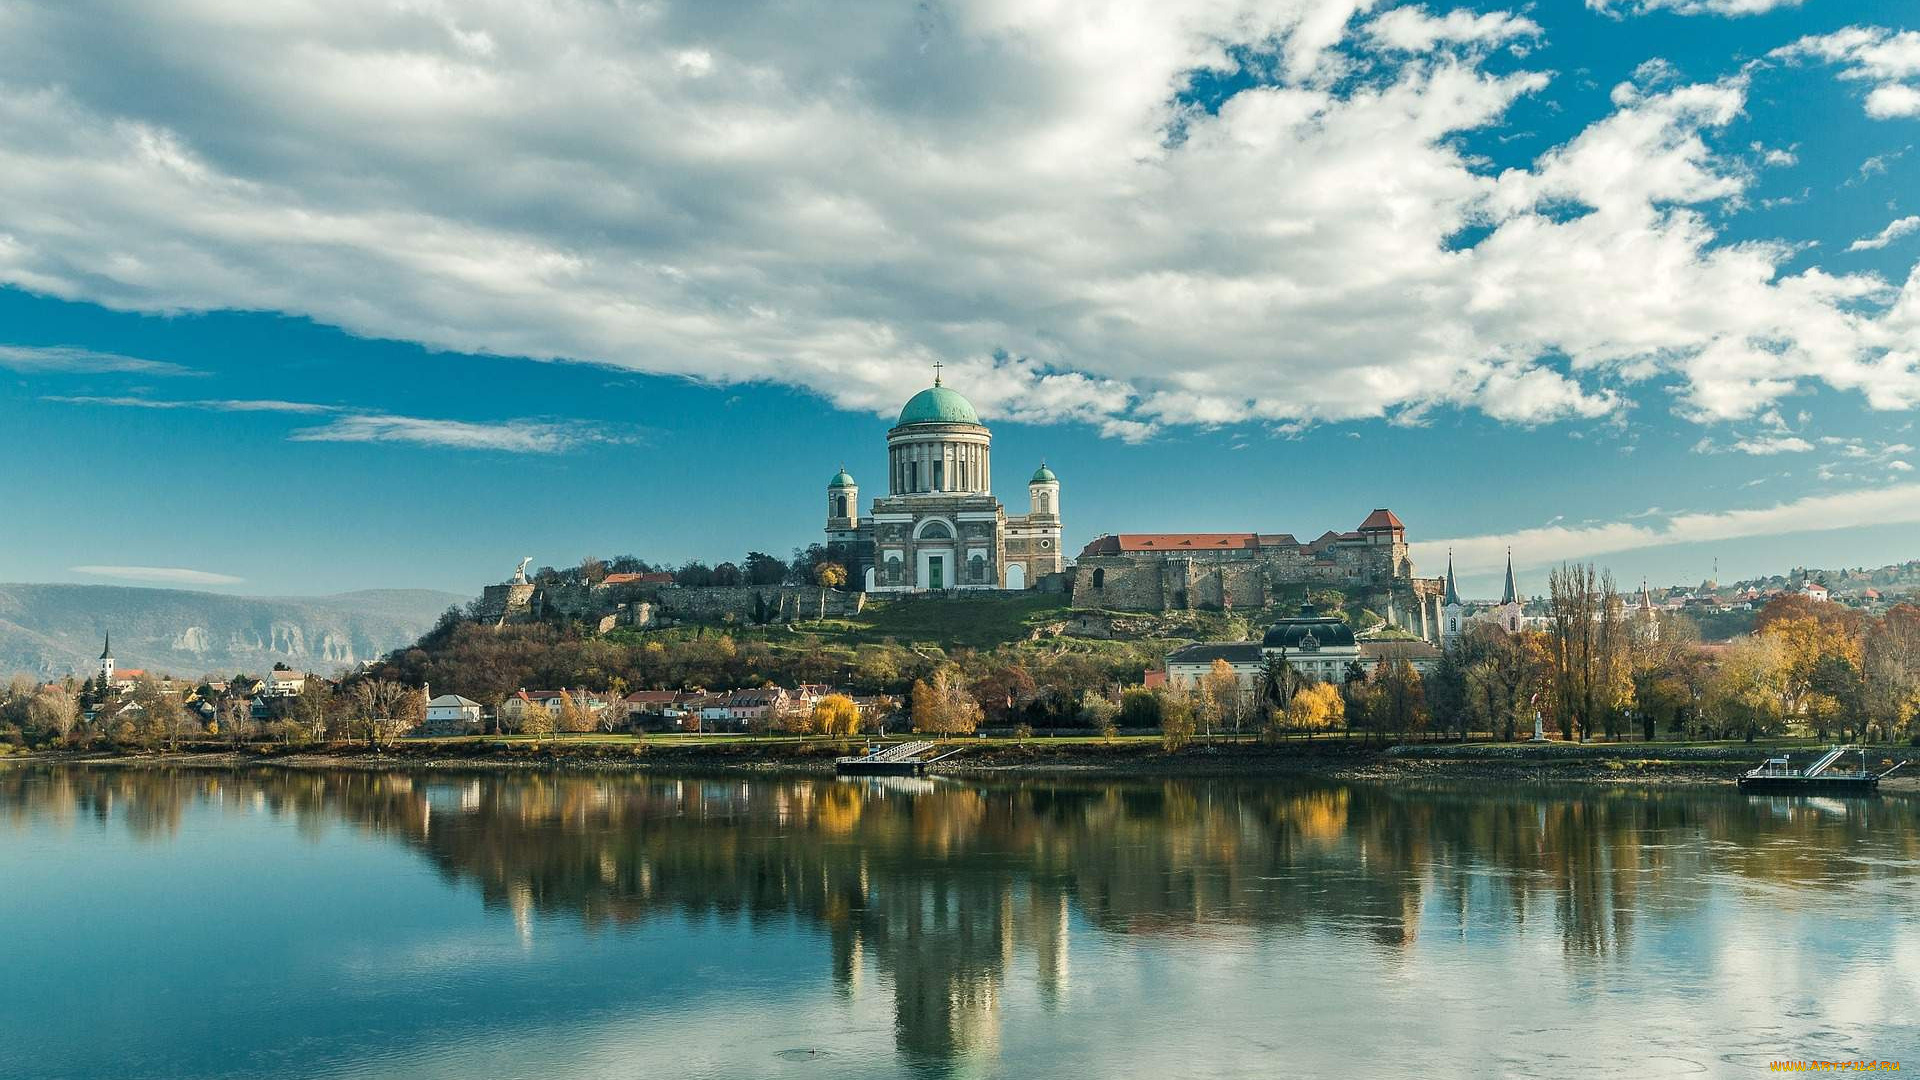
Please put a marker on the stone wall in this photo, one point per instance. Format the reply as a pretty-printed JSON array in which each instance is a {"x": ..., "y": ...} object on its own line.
[
  {"x": 755, "y": 604},
  {"x": 649, "y": 606}
]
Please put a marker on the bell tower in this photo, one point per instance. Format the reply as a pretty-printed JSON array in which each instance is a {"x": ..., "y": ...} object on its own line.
[
  {"x": 843, "y": 503},
  {"x": 106, "y": 660}
]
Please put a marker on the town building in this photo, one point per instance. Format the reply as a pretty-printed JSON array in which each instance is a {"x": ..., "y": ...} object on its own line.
[{"x": 939, "y": 527}]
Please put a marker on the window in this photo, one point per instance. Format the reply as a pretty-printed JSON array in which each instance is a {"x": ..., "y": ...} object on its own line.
[
  {"x": 961, "y": 465},
  {"x": 1100, "y": 579},
  {"x": 939, "y": 476},
  {"x": 839, "y": 506},
  {"x": 913, "y": 476}
]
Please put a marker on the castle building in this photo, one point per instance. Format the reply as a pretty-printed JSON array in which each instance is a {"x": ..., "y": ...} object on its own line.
[
  {"x": 1249, "y": 571},
  {"x": 939, "y": 526}
]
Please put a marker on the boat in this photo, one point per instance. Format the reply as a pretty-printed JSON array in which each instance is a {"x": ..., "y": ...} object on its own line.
[{"x": 1832, "y": 772}]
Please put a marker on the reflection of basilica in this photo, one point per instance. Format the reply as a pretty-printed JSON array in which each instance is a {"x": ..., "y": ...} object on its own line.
[{"x": 955, "y": 900}]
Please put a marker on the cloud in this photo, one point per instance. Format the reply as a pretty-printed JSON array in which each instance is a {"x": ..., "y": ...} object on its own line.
[
  {"x": 354, "y": 426},
  {"x": 61, "y": 359},
  {"x": 1053, "y": 211},
  {"x": 1414, "y": 29},
  {"x": 515, "y": 437},
  {"x": 228, "y": 405},
  {"x": 172, "y": 575},
  {"x": 1767, "y": 445},
  {"x": 1888, "y": 59},
  {"x": 1895, "y": 505},
  {"x": 1888, "y": 235},
  {"x": 1691, "y": 7}
]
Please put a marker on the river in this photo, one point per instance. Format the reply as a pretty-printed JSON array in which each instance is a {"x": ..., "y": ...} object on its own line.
[{"x": 281, "y": 923}]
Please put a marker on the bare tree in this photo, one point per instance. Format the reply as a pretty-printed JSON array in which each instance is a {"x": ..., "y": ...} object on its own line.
[
  {"x": 1589, "y": 672},
  {"x": 384, "y": 710}
]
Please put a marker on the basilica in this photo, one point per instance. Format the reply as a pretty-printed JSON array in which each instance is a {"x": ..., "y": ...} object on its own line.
[{"x": 939, "y": 526}]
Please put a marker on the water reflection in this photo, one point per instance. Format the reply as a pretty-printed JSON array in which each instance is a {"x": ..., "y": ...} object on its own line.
[{"x": 945, "y": 890}]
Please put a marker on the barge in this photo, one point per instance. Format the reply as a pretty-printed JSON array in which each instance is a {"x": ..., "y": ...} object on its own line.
[{"x": 1840, "y": 770}]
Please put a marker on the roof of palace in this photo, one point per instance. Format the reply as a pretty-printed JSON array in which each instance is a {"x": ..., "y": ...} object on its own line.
[
  {"x": 1383, "y": 519},
  {"x": 938, "y": 405},
  {"x": 1309, "y": 631}
]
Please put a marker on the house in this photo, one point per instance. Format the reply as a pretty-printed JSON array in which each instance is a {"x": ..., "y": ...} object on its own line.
[
  {"x": 1814, "y": 591},
  {"x": 283, "y": 681},
  {"x": 746, "y": 707},
  {"x": 452, "y": 714}
]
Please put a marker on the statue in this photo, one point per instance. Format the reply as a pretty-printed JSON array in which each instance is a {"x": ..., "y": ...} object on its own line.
[{"x": 520, "y": 572}]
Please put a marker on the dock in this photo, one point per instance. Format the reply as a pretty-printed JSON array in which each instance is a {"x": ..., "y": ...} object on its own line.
[
  {"x": 1832, "y": 773},
  {"x": 904, "y": 759}
]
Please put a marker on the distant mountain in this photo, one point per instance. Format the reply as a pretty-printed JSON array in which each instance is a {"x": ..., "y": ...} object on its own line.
[{"x": 50, "y": 630}]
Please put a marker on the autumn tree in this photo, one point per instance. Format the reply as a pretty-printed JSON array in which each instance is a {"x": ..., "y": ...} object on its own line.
[
  {"x": 941, "y": 704},
  {"x": 836, "y": 714},
  {"x": 1318, "y": 707},
  {"x": 1176, "y": 719},
  {"x": 536, "y": 720},
  {"x": 1220, "y": 698},
  {"x": 1750, "y": 691},
  {"x": 1588, "y": 675}
]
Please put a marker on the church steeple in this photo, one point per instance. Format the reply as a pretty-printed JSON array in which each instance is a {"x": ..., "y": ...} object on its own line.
[
  {"x": 1452, "y": 598},
  {"x": 105, "y": 670},
  {"x": 106, "y": 647},
  {"x": 1512, "y": 595}
]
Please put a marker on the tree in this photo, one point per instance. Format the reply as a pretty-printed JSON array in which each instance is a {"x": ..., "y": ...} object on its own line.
[
  {"x": 311, "y": 710},
  {"x": 764, "y": 569},
  {"x": 575, "y": 714},
  {"x": 55, "y": 709},
  {"x": 1400, "y": 707},
  {"x": 835, "y": 714},
  {"x": 942, "y": 705},
  {"x": 1279, "y": 680},
  {"x": 1176, "y": 720},
  {"x": 828, "y": 575},
  {"x": 536, "y": 720},
  {"x": 1098, "y": 713},
  {"x": 1750, "y": 691},
  {"x": 384, "y": 710},
  {"x": 1318, "y": 707},
  {"x": 1003, "y": 690},
  {"x": 236, "y": 719},
  {"x": 1588, "y": 676},
  {"x": 1220, "y": 697},
  {"x": 615, "y": 716},
  {"x": 1140, "y": 708},
  {"x": 162, "y": 714}
]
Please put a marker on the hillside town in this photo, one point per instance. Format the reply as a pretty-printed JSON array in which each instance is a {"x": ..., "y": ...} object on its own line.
[{"x": 1170, "y": 634}]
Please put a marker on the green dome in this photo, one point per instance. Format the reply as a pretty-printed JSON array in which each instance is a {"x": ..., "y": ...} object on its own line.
[
  {"x": 841, "y": 479},
  {"x": 938, "y": 405},
  {"x": 1043, "y": 475}
]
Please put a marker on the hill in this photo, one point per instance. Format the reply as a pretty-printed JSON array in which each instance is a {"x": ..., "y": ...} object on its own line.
[{"x": 50, "y": 630}]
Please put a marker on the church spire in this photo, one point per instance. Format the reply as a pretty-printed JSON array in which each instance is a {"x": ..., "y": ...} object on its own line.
[
  {"x": 1512, "y": 595},
  {"x": 1453, "y": 595},
  {"x": 106, "y": 647}
]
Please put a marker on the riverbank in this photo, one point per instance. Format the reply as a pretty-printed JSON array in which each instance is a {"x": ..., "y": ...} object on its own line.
[{"x": 1337, "y": 759}]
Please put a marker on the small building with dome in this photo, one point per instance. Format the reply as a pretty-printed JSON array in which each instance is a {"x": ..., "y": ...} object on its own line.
[{"x": 939, "y": 527}]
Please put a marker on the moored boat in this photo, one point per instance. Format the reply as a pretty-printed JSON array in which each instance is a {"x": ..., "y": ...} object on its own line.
[{"x": 1839, "y": 770}]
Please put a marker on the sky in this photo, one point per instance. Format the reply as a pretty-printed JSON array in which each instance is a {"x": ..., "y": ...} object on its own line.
[{"x": 299, "y": 296}]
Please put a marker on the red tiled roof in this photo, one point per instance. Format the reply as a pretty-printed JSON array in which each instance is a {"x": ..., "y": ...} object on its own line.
[
  {"x": 650, "y": 697},
  {"x": 638, "y": 579},
  {"x": 1382, "y": 519}
]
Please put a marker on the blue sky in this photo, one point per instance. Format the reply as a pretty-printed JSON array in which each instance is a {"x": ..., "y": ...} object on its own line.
[{"x": 300, "y": 298}]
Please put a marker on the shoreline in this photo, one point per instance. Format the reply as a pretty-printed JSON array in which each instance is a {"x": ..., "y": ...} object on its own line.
[{"x": 1554, "y": 763}]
